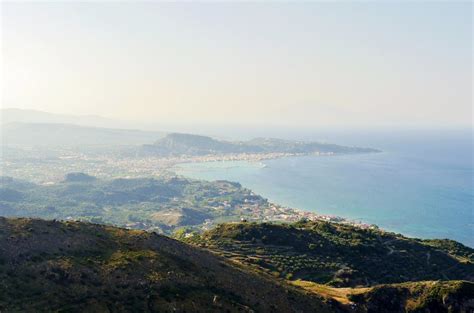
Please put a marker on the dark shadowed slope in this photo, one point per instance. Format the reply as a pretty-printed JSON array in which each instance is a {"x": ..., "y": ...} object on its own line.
[
  {"x": 72, "y": 266},
  {"x": 340, "y": 255},
  {"x": 80, "y": 267}
]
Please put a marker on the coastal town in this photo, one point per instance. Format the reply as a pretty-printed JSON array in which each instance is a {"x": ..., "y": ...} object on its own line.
[
  {"x": 31, "y": 165},
  {"x": 256, "y": 211}
]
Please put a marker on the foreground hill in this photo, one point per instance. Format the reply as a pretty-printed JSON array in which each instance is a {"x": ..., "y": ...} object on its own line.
[
  {"x": 72, "y": 266},
  {"x": 339, "y": 255},
  {"x": 425, "y": 296},
  {"x": 50, "y": 266},
  {"x": 187, "y": 144}
]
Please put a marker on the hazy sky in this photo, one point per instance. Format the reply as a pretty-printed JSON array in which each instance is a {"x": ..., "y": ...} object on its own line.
[{"x": 296, "y": 64}]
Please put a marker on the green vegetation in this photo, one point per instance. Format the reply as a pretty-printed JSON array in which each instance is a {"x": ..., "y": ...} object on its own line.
[
  {"x": 452, "y": 296},
  {"x": 244, "y": 267},
  {"x": 338, "y": 255},
  {"x": 48, "y": 266},
  {"x": 426, "y": 296},
  {"x": 155, "y": 204},
  {"x": 78, "y": 178}
]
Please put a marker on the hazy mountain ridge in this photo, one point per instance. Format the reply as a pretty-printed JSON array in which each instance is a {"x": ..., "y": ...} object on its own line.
[
  {"x": 58, "y": 134},
  {"x": 137, "y": 143},
  {"x": 188, "y": 144},
  {"x": 37, "y": 128},
  {"x": 13, "y": 115}
]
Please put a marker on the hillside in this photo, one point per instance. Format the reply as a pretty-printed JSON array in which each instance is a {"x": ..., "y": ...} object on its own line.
[
  {"x": 73, "y": 266},
  {"x": 70, "y": 266},
  {"x": 178, "y": 144},
  {"x": 187, "y": 144},
  {"x": 155, "y": 204},
  {"x": 425, "y": 296},
  {"x": 339, "y": 255}
]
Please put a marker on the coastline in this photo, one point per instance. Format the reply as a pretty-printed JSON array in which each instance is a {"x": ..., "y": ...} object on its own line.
[
  {"x": 276, "y": 212},
  {"x": 249, "y": 157},
  {"x": 412, "y": 206},
  {"x": 361, "y": 188}
]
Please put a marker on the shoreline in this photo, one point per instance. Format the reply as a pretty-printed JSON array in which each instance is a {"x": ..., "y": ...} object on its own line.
[
  {"x": 116, "y": 166},
  {"x": 289, "y": 212},
  {"x": 250, "y": 157},
  {"x": 291, "y": 215},
  {"x": 276, "y": 212}
]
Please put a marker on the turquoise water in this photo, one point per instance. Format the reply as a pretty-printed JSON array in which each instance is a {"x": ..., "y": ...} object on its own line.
[{"x": 418, "y": 187}]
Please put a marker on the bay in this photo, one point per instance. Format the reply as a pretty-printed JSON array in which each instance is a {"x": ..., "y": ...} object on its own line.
[{"x": 420, "y": 187}]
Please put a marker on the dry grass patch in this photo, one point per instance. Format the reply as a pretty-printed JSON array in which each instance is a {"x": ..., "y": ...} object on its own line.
[{"x": 339, "y": 294}]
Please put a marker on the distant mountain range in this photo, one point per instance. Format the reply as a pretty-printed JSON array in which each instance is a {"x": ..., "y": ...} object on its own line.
[
  {"x": 36, "y": 128},
  {"x": 54, "y": 134},
  {"x": 12, "y": 115},
  {"x": 174, "y": 144}
]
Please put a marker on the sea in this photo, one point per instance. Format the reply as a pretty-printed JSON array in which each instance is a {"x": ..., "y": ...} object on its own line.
[{"x": 420, "y": 185}]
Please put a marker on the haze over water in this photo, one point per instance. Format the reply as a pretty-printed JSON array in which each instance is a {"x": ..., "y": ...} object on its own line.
[{"x": 420, "y": 185}]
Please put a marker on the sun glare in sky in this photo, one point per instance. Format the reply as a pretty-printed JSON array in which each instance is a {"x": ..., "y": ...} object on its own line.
[{"x": 324, "y": 63}]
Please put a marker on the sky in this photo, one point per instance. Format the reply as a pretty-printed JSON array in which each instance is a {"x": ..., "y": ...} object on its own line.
[{"x": 268, "y": 63}]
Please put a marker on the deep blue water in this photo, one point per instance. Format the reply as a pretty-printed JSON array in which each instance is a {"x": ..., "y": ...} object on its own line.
[{"x": 420, "y": 185}]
